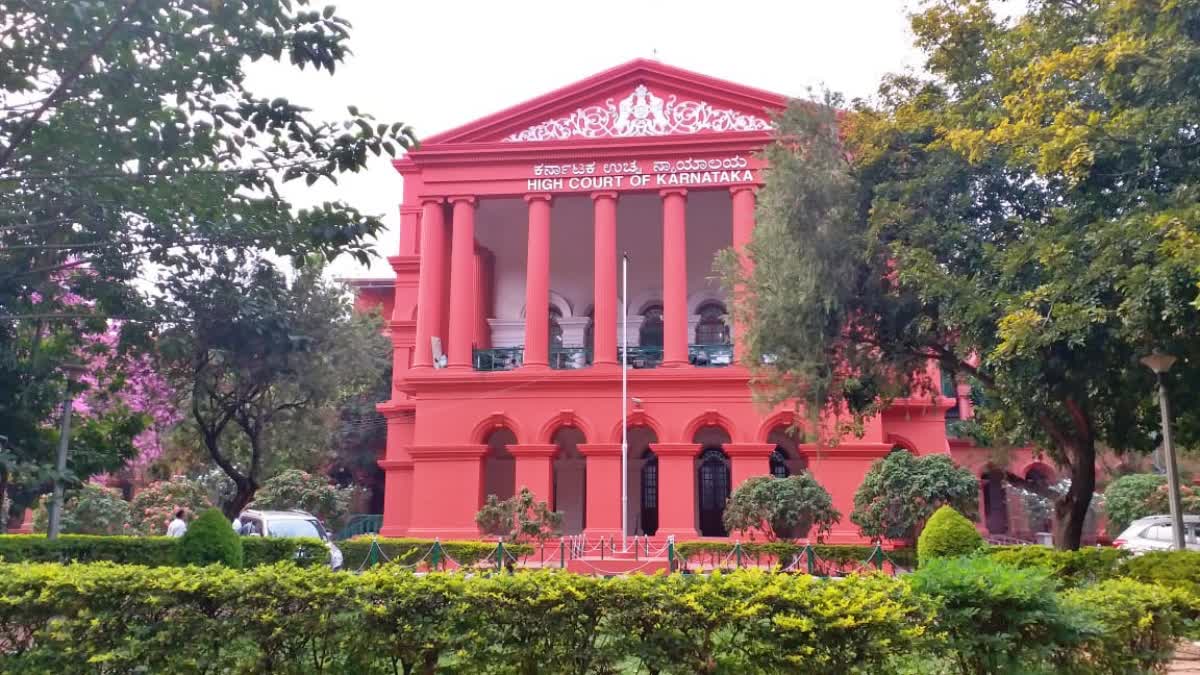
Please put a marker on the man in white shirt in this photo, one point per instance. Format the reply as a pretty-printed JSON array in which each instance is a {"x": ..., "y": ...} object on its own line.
[{"x": 177, "y": 526}]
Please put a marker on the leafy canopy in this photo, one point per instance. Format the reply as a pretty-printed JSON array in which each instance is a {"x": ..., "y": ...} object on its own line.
[
  {"x": 1023, "y": 213},
  {"x": 781, "y": 508},
  {"x": 131, "y": 147},
  {"x": 519, "y": 518},
  {"x": 900, "y": 492}
]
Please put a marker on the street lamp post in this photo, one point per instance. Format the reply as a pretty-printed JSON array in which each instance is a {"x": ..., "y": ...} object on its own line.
[
  {"x": 1161, "y": 363},
  {"x": 60, "y": 464}
]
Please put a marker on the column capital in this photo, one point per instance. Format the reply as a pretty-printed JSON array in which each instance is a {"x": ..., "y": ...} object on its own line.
[
  {"x": 667, "y": 192},
  {"x": 675, "y": 449},
  {"x": 735, "y": 189},
  {"x": 467, "y": 199},
  {"x": 606, "y": 194},
  {"x": 599, "y": 449},
  {"x": 751, "y": 450},
  {"x": 432, "y": 200},
  {"x": 539, "y": 197},
  {"x": 533, "y": 450}
]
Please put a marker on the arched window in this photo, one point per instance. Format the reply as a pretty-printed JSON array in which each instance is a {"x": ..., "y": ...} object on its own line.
[
  {"x": 651, "y": 333},
  {"x": 779, "y": 467},
  {"x": 712, "y": 329},
  {"x": 556, "y": 333}
]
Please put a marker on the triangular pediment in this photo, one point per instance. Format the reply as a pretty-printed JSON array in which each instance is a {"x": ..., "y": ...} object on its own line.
[{"x": 638, "y": 99}]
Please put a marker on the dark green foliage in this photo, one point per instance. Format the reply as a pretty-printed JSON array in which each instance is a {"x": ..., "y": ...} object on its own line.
[
  {"x": 1138, "y": 625},
  {"x": 781, "y": 508},
  {"x": 996, "y": 618},
  {"x": 210, "y": 539},
  {"x": 1068, "y": 568},
  {"x": 1128, "y": 498},
  {"x": 839, "y": 556},
  {"x": 409, "y": 551},
  {"x": 519, "y": 518},
  {"x": 901, "y": 491},
  {"x": 947, "y": 535},
  {"x": 1174, "y": 569}
]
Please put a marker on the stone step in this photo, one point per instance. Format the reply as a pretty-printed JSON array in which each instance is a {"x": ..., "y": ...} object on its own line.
[{"x": 611, "y": 566}]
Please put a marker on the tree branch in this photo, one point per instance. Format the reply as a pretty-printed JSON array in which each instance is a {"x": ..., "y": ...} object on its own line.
[{"x": 67, "y": 81}]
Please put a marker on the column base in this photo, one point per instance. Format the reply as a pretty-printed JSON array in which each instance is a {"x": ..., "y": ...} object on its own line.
[
  {"x": 684, "y": 534},
  {"x": 393, "y": 532},
  {"x": 603, "y": 533},
  {"x": 673, "y": 364},
  {"x": 534, "y": 366}
]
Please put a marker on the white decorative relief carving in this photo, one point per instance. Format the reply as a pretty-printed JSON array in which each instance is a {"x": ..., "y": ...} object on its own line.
[{"x": 641, "y": 113}]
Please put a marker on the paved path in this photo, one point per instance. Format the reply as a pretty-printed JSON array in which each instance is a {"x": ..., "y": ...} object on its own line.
[{"x": 1187, "y": 659}]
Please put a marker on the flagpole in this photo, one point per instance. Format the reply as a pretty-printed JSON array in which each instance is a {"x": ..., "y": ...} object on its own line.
[{"x": 624, "y": 399}]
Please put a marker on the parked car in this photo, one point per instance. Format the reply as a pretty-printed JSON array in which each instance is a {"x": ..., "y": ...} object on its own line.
[
  {"x": 256, "y": 523},
  {"x": 1153, "y": 533}
]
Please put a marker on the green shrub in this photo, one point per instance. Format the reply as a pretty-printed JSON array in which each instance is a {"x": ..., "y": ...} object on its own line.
[
  {"x": 1179, "y": 570},
  {"x": 154, "y": 506},
  {"x": 1138, "y": 623},
  {"x": 781, "y": 508},
  {"x": 1069, "y": 568},
  {"x": 900, "y": 492},
  {"x": 418, "y": 552},
  {"x": 314, "y": 493},
  {"x": 947, "y": 535},
  {"x": 1128, "y": 498},
  {"x": 997, "y": 619},
  {"x": 210, "y": 539},
  {"x": 89, "y": 509},
  {"x": 285, "y": 619}
]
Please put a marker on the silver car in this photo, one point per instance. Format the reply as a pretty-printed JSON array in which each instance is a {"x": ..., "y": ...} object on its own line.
[
  {"x": 256, "y": 523},
  {"x": 1153, "y": 533}
]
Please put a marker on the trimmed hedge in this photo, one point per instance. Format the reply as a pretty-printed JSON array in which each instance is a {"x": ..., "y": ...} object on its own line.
[
  {"x": 210, "y": 540},
  {"x": 150, "y": 551},
  {"x": 783, "y": 553},
  {"x": 1068, "y": 568},
  {"x": 284, "y": 619},
  {"x": 967, "y": 615},
  {"x": 410, "y": 552}
]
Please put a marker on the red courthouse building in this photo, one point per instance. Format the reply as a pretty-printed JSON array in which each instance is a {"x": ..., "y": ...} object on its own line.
[{"x": 505, "y": 316}]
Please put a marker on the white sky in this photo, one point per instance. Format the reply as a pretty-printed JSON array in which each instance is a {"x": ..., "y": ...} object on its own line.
[{"x": 437, "y": 64}]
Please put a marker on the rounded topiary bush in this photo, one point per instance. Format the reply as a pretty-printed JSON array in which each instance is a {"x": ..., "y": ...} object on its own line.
[
  {"x": 209, "y": 540},
  {"x": 948, "y": 534}
]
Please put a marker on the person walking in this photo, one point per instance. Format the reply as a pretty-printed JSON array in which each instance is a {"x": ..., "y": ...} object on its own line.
[{"x": 177, "y": 526}]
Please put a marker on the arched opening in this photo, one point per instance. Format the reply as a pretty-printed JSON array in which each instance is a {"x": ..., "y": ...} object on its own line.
[
  {"x": 651, "y": 332},
  {"x": 712, "y": 329},
  {"x": 642, "y": 482},
  {"x": 589, "y": 335},
  {"x": 555, "y": 328},
  {"x": 713, "y": 481},
  {"x": 786, "y": 459},
  {"x": 570, "y": 480},
  {"x": 995, "y": 501},
  {"x": 1040, "y": 479},
  {"x": 499, "y": 469}
]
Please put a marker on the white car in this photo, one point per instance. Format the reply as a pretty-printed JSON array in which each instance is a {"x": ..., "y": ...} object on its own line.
[
  {"x": 1153, "y": 533},
  {"x": 256, "y": 523}
]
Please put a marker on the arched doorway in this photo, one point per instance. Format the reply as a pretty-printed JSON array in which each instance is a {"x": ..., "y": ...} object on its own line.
[
  {"x": 642, "y": 482},
  {"x": 995, "y": 501},
  {"x": 713, "y": 483},
  {"x": 711, "y": 329},
  {"x": 570, "y": 480},
  {"x": 499, "y": 469},
  {"x": 786, "y": 459},
  {"x": 651, "y": 332}
]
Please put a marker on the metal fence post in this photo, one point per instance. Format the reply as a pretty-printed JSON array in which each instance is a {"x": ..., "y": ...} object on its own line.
[{"x": 436, "y": 555}]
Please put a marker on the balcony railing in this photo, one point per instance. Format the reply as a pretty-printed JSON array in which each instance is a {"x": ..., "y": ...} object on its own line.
[
  {"x": 576, "y": 358},
  {"x": 503, "y": 358},
  {"x": 710, "y": 356}
]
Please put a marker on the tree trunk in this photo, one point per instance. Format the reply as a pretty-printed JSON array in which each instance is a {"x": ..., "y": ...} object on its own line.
[
  {"x": 4, "y": 507},
  {"x": 241, "y": 498},
  {"x": 1071, "y": 509}
]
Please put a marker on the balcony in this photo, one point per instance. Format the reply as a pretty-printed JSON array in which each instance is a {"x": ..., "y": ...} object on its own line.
[{"x": 578, "y": 358}]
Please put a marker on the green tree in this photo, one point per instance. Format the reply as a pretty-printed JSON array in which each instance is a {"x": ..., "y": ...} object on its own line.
[
  {"x": 519, "y": 518},
  {"x": 154, "y": 506},
  {"x": 91, "y": 509},
  {"x": 781, "y": 508},
  {"x": 131, "y": 146},
  {"x": 900, "y": 492},
  {"x": 1128, "y": 498},
  {"x": 1024, "y": 214},
  {"x": 265, "y": 360},
  {"x": 295, "y": 489}
]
